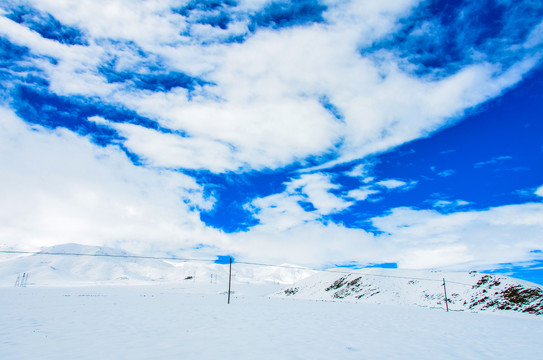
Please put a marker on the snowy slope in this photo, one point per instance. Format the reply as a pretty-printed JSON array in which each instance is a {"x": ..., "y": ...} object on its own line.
[
  {"x": 190, "y": 319},
  {"x": 57, "y": 270},
  {"x": 170, "y": 322},
  {"x": 78, "y": 270},
  {"x": 473, "y": 291}
]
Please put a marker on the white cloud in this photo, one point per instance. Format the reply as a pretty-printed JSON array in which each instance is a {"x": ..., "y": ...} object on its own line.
[
  {"x": 174, "y": 151},
  {"x": 391, "y": 183},
  {"x": 360, "y": 170},
  {"x": 446, "y": 173},
  {"x": 442, "y": 203},
  {"x": 363, "y": 171},
  {"x": 260, "y": 110},
  {"x": 317, "y": 189},
  {"x": 280, "y": 211},
  {"x": 536, "y": 37},
  {"x": 22, "y": 35},
  {"x": 539, "y": 191},
  {"x": 362, "y": 193},
  {"x": 263, "y": 110},
  {"x": 493, "y": 161},
  {"x": 449, "y": 203},
  {"x": 146, "y": 22},
  {"x": 284, "y": 210},
  {"x": 310, "y": 243},
  {"x": 442, "y": 173},
  {"x": 412, "y": 238},
  {"x": 396, "y": 184},
  {"x": 57, "y": 188},
  {"x": 426, "y": 238}
]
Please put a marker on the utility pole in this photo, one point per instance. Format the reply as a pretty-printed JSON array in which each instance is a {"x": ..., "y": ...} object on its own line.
[
  {"x": 230, "y": 280},
  {"x": 445, "y": 290}
]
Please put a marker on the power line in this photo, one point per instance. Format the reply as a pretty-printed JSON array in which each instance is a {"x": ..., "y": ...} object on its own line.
[
  {"x": 105, "y": 255},
  {"x": 355, "y": 271},
  {"x": 173, "y": 258}
]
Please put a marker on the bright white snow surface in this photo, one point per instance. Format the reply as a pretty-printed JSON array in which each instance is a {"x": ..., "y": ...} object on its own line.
[
  {"x": 466, "y": 291},
  {"x": 193, "y": 321}
]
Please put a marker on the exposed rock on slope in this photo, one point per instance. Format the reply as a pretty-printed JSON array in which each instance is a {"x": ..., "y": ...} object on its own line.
[
  {"x": 473, "y": 291},
  {"x": 488, "y": 293}
]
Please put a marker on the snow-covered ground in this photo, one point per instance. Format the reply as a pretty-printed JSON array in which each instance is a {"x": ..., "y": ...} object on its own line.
[
  {"x": 94, "y": 307},
  {"x": 193, "y": 321}
]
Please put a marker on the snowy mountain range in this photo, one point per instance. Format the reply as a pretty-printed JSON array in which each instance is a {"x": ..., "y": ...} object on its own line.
[
  {"x": 103, "y": 265},
  {"x": 465, "y": 291},
  {"x": 107, "y": 266}
]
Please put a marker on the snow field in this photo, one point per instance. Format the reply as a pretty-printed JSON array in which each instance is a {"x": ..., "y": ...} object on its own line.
[{"x": 194, "y": 322}]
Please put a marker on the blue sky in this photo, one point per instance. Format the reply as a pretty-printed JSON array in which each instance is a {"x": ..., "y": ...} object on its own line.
[{"x": 319, "y": 133}]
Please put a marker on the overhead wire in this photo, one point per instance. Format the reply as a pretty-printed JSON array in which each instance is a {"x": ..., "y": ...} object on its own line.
[
  {"x": 105, "y": 255},
  {"x": 174, "y": 258}
]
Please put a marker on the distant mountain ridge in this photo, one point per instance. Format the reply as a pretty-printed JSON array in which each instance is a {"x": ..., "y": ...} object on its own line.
[
  {"x": 104, "y": 265},
  {"x": 465, "y": 291}
]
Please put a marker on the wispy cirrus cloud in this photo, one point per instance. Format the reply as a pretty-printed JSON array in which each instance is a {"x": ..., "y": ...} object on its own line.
[
  {"x": 396, "y": 184},
  {"x": 446, "y": 173},
  {"x": 493, "y": 161},
  {"x": 362, "y": 194},
  {"x": 449, "y": 204},
  {"x": 76, "y": 191},
  {"x": 306, "y": 198},
  {"x": 318, "y": 188},
  {"x": 223, "y": 94}
]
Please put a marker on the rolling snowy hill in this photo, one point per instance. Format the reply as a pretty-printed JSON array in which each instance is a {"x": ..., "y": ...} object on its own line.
[
  {"x": 74, "y": 308},
  {"x": 102, "y": 265},
  {"x": 465, "y": 291}
]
